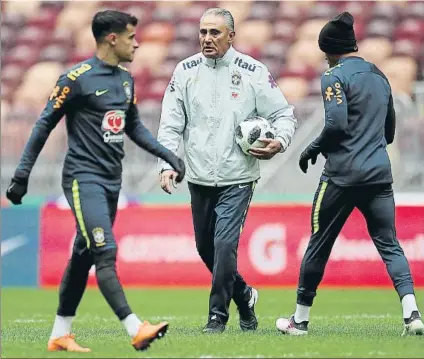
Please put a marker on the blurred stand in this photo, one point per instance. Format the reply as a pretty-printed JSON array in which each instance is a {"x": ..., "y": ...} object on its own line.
[{"x": 40, "y": 39}]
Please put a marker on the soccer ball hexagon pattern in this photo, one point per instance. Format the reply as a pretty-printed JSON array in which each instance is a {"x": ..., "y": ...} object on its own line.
[{"x": 249, "y": 131}]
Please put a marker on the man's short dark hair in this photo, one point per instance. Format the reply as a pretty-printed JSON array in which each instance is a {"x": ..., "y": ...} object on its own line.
[{"x": 108, "y": 21}]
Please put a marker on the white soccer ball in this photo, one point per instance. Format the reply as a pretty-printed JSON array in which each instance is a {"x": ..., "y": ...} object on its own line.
[{"x": 250, "y": 130}]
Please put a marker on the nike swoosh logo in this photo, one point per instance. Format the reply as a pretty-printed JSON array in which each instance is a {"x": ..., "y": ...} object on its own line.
[
  {"x": 241, "y": 186},
  {"x": 99, "y": 93},
  {"x": 11, "y": 244}
]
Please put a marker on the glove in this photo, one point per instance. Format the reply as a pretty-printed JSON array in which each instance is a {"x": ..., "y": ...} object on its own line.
[
  {"x": 178, "y": 166},
  {"x": 308, "y": 154},
  {"x": 16, "y": 190}
]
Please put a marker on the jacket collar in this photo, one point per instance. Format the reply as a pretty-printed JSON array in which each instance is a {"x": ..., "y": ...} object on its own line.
[
  {"x": 103, "y": 64},
  {"x": 347, "y": 58},
  {"x": 222, "y": 61}
]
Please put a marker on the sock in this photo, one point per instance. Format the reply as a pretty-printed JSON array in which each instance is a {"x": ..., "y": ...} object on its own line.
[
  {"x": 302, "y": 313},
  {"x": 409, "y": 304},
  {"x": 61, "y": 327},
  {"x": 131, "y": 324}
]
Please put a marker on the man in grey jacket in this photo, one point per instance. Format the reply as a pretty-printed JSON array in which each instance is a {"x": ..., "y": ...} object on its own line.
[{"x": 209, "y": 94}]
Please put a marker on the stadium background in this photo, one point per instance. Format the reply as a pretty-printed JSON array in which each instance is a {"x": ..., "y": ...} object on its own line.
[{"x": 40, "y": 39}]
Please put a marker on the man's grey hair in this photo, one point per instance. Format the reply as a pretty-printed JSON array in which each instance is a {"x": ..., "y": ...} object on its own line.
[{"x": 217, "y": 11}]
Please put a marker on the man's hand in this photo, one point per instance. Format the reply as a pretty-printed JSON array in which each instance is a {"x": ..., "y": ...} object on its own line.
[
  {"x": 16, "y": 190},
  {"x": 167, "y": 180},
  {"x": 272, "y": 148},
  {"x": 305, "y": 156},
  {"x": 177, "y": 164}
]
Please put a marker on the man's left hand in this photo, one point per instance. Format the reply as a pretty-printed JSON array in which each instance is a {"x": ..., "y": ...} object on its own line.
[
  {"x": 16, "y": 190},
  {"x": 270, "y": 150},
  {"x": 309, "y": 153}
]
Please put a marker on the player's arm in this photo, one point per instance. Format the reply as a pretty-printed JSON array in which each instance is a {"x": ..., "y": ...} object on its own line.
[
  {"x": 336, "y": 122},
  {"x": 336, "y": 119},
  {"x": 173, "y": 117},
  {"x": 62, "y": 95},
  {"x": 390, "y": 124},
  {"x": 140, "y": 135},
  {"x": 272, "y": 105}
]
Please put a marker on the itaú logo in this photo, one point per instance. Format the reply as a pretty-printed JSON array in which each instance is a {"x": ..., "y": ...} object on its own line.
[{"x": 267, "y": 249}]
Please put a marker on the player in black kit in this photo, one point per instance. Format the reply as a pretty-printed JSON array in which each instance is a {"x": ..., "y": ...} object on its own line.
[
  {"x": 97, "y": 97},
  {"x": 359, "y": 124}
]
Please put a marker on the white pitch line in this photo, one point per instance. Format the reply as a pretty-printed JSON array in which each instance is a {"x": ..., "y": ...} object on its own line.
[
  {"x": 29, "y": 321},
  {"x": 345, "y": 316},
  {"x": 95, "y": 318}
]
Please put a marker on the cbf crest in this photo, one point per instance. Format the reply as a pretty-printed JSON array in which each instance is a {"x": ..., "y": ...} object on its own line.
[
  {"x": 127, "y": 90},
  {"x": 235, "y": 85},
  {"x": 99, "y": 236},
  {"x": 236, "y": 78}
]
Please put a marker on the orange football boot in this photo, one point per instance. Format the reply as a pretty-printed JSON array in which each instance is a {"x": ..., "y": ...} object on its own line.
[
  {"x": 66, "y": 343},
  {"x": 148, "y": 333}
]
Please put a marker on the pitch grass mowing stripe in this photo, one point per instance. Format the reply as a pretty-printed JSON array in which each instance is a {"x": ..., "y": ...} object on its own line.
[{"x": 345, "y": 323}]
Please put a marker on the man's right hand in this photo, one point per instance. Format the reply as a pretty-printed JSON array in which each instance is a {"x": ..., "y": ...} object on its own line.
[
  {"x": 178, "y": 166},
  {"x": 167, "y": 180},
  {"x": 16, "y": 190}
]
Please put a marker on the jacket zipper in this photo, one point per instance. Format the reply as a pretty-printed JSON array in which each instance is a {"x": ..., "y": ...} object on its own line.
[{"x": 215, "y": 125}]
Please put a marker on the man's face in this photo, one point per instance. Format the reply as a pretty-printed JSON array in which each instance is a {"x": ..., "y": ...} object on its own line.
[
  {"x": 126, "y": 44},
  {"x": 214, "y": 36}
]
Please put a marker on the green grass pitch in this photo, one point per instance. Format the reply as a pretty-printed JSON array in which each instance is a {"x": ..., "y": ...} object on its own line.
[{"x": 344, "y": 323}]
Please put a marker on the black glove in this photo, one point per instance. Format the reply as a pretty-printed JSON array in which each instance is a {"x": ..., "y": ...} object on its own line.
[
  {"x": 16, "y": 190},
  {"x": 178, "y": 166},
  {"x": 310, "y": 153}
]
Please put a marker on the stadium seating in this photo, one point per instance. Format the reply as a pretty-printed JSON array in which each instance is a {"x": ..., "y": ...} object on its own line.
[{"x": 40, "y": 39}]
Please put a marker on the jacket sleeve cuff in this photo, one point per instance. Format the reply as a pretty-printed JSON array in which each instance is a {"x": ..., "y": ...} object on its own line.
[
  {"x": 165, "y": 167},
  {"x": 282, "y": 142}
]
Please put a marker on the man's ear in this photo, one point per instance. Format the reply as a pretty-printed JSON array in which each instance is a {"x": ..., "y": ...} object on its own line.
[
  {"x": 231, "y": 37},
  {"x": 111, "y": 38}
]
